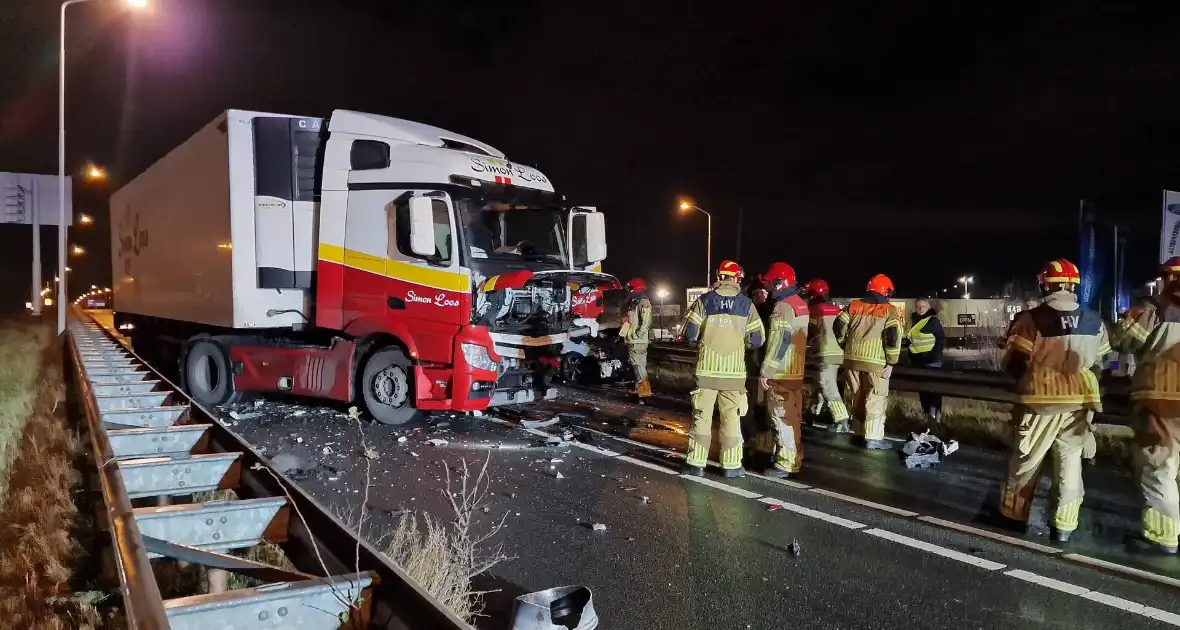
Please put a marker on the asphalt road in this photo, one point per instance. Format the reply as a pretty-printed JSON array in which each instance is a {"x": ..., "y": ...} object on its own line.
[{"x": 682, "y": 553}]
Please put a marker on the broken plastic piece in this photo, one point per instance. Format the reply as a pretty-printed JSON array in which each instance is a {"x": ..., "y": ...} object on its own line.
[
  {"x": 540, "y": 424},
  {"x": 599, "y": 527},
  {"x": 436, "y": 442}
]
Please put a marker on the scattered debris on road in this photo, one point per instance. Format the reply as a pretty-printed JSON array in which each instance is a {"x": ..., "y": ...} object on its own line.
[
  {"x": 599, "y": 527},
  {"x": 795, "y": 548},
  {"x": 925, "y": 450},
  {"x": 540, "y": 424},
  {"x": 436, "y": 442}
]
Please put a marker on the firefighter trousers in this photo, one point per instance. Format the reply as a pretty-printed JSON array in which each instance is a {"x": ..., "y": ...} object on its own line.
[
  {"x": 784, "y": 410},
  {"x": 1066, "y": 434},
  {"x": 869, "y": 393},
  {"x": 637, "y": 355},
  {"x": 731, "y": 406},
  {"x": 829, "y": 393},
  {"x": 1158, "y": 462}
]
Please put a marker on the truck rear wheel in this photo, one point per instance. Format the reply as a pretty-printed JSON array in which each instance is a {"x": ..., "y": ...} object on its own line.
[
  {"x": 387, "y": 387},
  {"x": 206, "y": 374}
]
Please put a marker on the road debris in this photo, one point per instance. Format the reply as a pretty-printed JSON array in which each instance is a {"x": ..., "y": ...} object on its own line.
[
  {"x": 371, "y": 453},
  {"x": 774, "y": 507},
  {"x": 540, "y": 424},
  {"x": 436, "y": 442},
  {"x": 559, "y": 475},
  {"x": 795, "y": 548},
  {"x": 403, "y": 439},
  {"x": 924, "y": 450},
  {"x": 599, "y": 527}
]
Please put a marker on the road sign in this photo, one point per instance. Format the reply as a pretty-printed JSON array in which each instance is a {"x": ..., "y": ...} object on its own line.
[{"x": 26, "y": 193}]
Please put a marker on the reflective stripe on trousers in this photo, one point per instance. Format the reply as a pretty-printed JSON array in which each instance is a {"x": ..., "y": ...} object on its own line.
[
  {"x": 869, "y": 394},
  {"x": 1157, "y": 458},
  {"x": 731, "y": 406},
  {"x": 1035, "y": 435},
  {"x": 784, "y": 409},
  {"x": 829, "y": 393}
]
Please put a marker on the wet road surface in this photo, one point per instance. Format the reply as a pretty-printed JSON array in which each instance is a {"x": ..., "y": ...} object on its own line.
[{"x": 684, "y": 553}]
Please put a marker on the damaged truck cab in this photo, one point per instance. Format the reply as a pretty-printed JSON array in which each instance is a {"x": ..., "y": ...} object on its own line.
[{"x": 358, "y": 258}]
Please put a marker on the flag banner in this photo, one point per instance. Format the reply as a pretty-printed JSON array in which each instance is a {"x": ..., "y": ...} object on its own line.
[
  {"x": 26, "y": 194},
  {"x": 1090, "y": 260},
  {"x": 1122, "y": 291},
  {"x": 1170, "y": 232}
]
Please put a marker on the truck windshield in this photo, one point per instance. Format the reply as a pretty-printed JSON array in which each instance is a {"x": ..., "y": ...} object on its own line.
[{"x": 502, "y": 230}]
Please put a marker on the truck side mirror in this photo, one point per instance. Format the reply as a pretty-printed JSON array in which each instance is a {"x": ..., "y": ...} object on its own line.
[
  {"x": 595, "y": 237},
  {"x": 422, "y": 226}
]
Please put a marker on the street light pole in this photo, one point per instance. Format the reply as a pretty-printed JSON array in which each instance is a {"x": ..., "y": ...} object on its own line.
[
  {"x": 684, "y": 205},
  {"x": 61, "y": 160}
]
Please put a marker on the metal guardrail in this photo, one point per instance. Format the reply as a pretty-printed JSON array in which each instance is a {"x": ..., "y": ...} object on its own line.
[
  {"x": 151, "y": 444},
  {"x": 975, "y": 385}
]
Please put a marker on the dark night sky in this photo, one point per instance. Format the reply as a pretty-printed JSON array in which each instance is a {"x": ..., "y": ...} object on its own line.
[{"x": 926, "y": 140}]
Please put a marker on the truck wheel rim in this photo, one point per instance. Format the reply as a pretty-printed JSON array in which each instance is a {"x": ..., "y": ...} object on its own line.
[{"x": 391, "y": 386}]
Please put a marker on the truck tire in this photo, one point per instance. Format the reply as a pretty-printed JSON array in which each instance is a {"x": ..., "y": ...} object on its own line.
[
  {"x": 206, "y": 375},
  {"x": 387, "y": 387}
]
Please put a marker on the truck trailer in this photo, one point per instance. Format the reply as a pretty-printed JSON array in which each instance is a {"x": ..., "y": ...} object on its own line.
[{"x": 353, "y": 258}]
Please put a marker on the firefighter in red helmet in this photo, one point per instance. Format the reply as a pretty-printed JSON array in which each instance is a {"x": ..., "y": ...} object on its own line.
[
  {"x": 870, "y": 332},
  {"x": 825, "y": 353},
  {"x": 1151, "y": 330},
  {"x": 1057, "y": 352},
  {"x": 636, "y": 333},
  {"x": 725, "y": 323},
  {"x": 781, "y": 375}
]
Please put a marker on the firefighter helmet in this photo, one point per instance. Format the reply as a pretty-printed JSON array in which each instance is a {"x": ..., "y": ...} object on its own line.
[
  {"x": 1170, "y": 267},
  {"x": 1060, "y": 271},
  {"x": 779, "y": 275},
  {"x": 881, "y": 283},
  {"x": 817, "y": 288},
  {"x": 635, "y": 285},
  {"x": 730, "y": 269}
]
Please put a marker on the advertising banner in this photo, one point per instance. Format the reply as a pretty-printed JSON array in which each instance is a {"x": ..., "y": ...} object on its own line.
[
  {"x": 1170, "y": 229},
  {"x": 1089, "y": 259}
]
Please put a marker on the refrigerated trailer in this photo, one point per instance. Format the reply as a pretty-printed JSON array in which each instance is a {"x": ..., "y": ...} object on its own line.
[{"x": 355, "y": 258}]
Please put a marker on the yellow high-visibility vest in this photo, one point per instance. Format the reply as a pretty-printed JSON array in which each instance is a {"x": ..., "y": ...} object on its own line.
[{"x": 921, "y": 341}]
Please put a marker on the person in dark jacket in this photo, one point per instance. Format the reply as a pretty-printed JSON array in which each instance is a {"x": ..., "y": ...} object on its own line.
[{"x": 926, "y": 341}]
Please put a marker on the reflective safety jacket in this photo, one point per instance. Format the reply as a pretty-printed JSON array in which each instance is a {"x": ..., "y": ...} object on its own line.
[
  {"x": 822, "y": 346},
  {"x": 637, "y": 328},
  {"x": 1056, "y": 352},
  {"x": 927, "y": 339},
  {"x": 725, "y": 323},
  {"x": 870, "y": 332},
  {"x": 786, "y": 340},
  {"x": 1151, "y": 330}
]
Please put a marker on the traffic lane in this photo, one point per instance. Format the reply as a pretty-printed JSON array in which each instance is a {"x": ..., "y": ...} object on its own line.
[
  {"x": 724, "y": 559},
  {"x": 964, "y": 488}
]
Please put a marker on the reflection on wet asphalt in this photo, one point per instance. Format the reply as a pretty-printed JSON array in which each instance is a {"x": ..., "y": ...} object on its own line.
[{"x": 678, "y": 553}]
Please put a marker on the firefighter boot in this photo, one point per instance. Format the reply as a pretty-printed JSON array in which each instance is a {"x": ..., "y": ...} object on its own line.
[{"x": 643, "y": 391}]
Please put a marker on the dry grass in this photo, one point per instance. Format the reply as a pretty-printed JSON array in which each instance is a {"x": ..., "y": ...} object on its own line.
[
  {"x": 444, "y": 557},
  {"x": 38, "y": 550},
  {"x": 21, "y": 352}
]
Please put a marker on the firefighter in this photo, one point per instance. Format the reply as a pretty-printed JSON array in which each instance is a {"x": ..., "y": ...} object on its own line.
[
  {"x": 1056, "y": 352},
  {"x": 1151, "y": 330},
  {"x": 781, "y": 376},
  {"x": 636, "y": 333},
  {"x": 926, "y": 340},
  {"x": 725, "y": 323},
  {"x": 870, "y": 332},
  {"x": 825, "y": 353}
]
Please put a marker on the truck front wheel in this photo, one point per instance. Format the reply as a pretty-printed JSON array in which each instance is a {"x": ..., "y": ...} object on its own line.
[
  {"x": 206, "y": 374},
  {"x": 387, "y": 387}
]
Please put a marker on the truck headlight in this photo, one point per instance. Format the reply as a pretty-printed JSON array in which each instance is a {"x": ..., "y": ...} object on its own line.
[{"x": 477, "y": 357}]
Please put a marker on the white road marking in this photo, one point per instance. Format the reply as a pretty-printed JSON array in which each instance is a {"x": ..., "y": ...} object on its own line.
[
  {"x": 850, "y": 499},
  {"x": 1139, "y": 573},
  {"x": 596, "y": 449},
  {"x": 935, "y": 549},
  {"x": 1096, "y": 596},
  {"x": 650, "y": 465},
  {"x": 1011, "y": 540},
  {"x": 782, "y": 482},
  {"x": 823, "y": 516},
  {"x": 721, "y": 486}
]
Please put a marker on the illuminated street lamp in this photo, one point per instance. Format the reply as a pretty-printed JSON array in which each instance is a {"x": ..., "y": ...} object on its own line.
[
  {"x": 77, "y": 250},
  {"x": 85, "y": 219},
  {"x": 61, "y": 156},
  {"x": 95, "y": 173},
  {"x": 966, "y": 282},
  {"x": 662, "y": 294},
  {"x": 685, "y": 206}
]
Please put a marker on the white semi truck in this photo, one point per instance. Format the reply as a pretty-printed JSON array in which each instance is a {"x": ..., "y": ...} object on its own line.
[{"x": 354, "y": 258}]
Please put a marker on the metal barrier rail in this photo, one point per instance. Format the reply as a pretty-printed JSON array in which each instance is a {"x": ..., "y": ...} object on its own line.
[
  {"x": 975, "y": 385},
  {"x": 151, "y": 442}
]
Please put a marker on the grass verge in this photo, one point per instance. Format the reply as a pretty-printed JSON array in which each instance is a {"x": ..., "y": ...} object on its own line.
[{"x": 39, "y": 521}]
